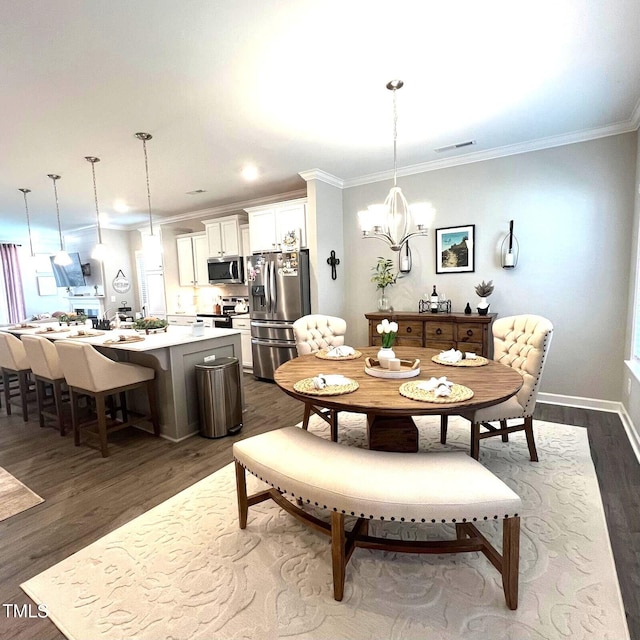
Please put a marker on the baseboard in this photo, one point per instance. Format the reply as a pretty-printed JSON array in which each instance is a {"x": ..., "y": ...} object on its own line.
[{"x": 598, "y": 405}]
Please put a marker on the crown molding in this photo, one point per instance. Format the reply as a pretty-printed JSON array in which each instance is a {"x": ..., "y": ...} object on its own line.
[
  {"x": 499, "y": 152},
  {"x": 322, "y": 176}
]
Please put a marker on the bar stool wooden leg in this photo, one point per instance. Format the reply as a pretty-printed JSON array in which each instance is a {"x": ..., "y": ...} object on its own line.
[
  {"x": 101, "y": 410},
  {"x": 73, "y": 399},
  {"x": 153, "y": 406},
  {"x": 40, "y": 393},
  {"x": 23, "y": 383},
  {"x": 6, "y": 381},
  {"x": 57, "y": 399}
]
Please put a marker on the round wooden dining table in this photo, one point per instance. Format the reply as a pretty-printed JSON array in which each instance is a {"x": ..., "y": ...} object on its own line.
[{"x": 389, "y": 423}]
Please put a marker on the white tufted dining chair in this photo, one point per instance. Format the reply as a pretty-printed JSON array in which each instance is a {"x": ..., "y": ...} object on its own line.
[
  {"x": 47, "y": 371},
  {"x": 92, "y": 374},
  {"x": 313, "y": 333},
  {"x": 15, "y": 365},
  {"x": 522, "y": 343}
]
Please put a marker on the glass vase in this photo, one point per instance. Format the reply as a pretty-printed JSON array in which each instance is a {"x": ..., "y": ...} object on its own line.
[{"x": 383, "y": 302}]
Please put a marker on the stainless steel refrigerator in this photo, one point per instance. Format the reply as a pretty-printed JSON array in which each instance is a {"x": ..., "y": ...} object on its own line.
[{"x": 279, "y": 295}]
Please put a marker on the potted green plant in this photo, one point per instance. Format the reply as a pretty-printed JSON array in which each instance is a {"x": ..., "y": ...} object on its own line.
[
  {"x": 72, "y": 318},
  {"x": 484, "y": 290},
  {"x": 150, "y": 324},
  {"x": 383, "y": 277}
]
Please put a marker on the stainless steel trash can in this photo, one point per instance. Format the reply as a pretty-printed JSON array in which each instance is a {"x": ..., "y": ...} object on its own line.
[{"x": 219, "y": 397}]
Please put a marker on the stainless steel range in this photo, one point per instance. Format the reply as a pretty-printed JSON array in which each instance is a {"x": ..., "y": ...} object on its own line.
[{"x": 223, "y": 320}]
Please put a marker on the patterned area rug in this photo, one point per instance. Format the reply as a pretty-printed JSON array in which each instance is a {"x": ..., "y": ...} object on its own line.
[
  {"x": 185, "y": 570},
  {"x": 14, "y": 496}
]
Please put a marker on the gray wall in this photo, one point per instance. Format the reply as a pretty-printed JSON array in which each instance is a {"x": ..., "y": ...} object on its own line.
[{"x": 573, "y": 209}]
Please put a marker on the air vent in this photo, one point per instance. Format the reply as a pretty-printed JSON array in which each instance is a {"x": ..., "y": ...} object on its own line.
[
  {"x": 196, "y": 192},
  {"x": 457, "y": 145}
]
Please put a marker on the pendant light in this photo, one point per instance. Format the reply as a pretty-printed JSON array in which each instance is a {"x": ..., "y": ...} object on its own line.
[
  {"x": 394, "y": 220},
  {"x": 100, "y": 250},
  {"x": 61, "y": 258},
  {"x": 152, "y": 248},
  {"x": 26, "y": 208}
]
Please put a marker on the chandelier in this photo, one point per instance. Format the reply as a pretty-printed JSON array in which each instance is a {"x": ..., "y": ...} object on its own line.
[
  {"x": 100, "y": 250},
  {"x": 62, "y": 257},
  {"x": 396, "y": 220}
]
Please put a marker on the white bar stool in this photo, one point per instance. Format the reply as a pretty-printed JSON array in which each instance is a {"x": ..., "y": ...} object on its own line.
[{"x": 92, "y": 374}]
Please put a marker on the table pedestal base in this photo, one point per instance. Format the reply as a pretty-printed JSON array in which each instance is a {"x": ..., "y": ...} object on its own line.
[{"x": 390, "y": 433}]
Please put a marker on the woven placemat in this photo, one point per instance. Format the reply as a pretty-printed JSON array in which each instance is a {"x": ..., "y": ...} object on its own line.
[
  {"x": 306, "y": 386},
  {"x": 322, "y": 354},
  {"x": 478, "y": 361},
  {"x": 52, "y": 330},
  {"x": 412, "y": 391},
  {"x": 87, "y": 334},
  {"x": 23, "y": 326},
  {"x": 124, "y": 340}
]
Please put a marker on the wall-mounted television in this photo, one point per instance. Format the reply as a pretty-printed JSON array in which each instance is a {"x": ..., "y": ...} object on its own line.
[{"x": 70, "y": 275}]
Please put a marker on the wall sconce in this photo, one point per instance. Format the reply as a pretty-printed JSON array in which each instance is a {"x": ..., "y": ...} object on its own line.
[{"x": 510, "y": 249}]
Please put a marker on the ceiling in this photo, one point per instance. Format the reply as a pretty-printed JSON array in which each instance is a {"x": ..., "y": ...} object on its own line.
[{"x": 289, "y": 85}]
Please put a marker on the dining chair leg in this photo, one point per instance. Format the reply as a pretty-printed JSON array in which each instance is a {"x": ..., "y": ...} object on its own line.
[
  {"x": 333, "y": 423},
  {"x": 101, "y": 410},
  {"x": 123, "y": 406},
  {"x": 444, "y": 424},
  {"x": 505, "y": 436},
  {"x": 475, "y": 440},
  {"x": 307, "y": 415},
  {"x": 531, "y": 443}
]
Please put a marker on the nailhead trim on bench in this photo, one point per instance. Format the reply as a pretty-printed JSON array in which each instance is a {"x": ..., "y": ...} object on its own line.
[{"x": 393, "y": 518}]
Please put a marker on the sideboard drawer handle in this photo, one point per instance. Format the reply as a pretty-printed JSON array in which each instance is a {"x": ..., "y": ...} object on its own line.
[
  {"x": 469, "y": 332},
  {"x": 438, "y": 331},
  {"x": 408, "y": 329}
]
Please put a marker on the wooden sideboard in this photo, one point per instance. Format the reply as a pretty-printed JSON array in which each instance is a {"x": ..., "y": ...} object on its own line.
[{"x": 437, "y": 330}]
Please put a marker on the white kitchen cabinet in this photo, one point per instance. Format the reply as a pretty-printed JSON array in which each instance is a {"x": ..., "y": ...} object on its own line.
[
  {"x": 243, "y": 324},
  {"x": 223, "y": 235},
  {"x": 181, "y": 320},
  {"x": 193, "y": 250},
  {"x": 269, "y": 224}
]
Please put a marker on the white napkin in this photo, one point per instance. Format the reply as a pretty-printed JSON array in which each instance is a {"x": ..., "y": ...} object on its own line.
[
  {"x": 439, "y": 386},
  {"x": 453, "y": 355},
  {"x": 340, "y": 352},
  {"x": 469, "y": 356},
  {"x": 321, "y": 380}
]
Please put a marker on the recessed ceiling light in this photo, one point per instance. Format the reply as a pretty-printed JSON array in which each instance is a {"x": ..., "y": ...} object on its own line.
[
  {"x": 196, "y": 192},
  {"x": 250, "y": 172},
  {"x": 120, "y": 206}
]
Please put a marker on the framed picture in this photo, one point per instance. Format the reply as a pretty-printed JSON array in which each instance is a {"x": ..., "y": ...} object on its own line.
[
  {"x": 47, "y": 286},
  {"x": 455, "y": 249}
]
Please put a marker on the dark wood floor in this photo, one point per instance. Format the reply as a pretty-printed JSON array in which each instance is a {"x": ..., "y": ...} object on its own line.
[{"x": 86, "y": 496}]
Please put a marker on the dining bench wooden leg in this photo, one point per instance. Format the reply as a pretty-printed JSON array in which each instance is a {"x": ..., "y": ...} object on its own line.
[
  {"x": 511, "y": 560},
  {"x": 241, "y": 492},
  {"x": 444, "y": 424},
  {"x": 338, "y": 554}
]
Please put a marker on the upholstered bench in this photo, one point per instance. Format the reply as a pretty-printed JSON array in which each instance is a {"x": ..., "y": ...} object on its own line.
[{"x": 381, "y": 485}]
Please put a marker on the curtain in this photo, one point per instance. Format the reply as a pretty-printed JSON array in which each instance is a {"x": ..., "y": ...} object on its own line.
[{"x": 12, "y": 282}]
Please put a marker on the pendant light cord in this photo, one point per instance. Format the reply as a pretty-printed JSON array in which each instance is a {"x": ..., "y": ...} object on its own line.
[
  {"x": 55, "y": 191},
  {"x": 395, "y": 139},
  {"x": 146, "y": 168},
  {"x": 93, "y": 161},
  {"x": 26, "y": 208}
]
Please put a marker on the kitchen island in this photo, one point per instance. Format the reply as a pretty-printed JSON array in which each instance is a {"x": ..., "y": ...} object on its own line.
[{"x": 173, "y": 355}]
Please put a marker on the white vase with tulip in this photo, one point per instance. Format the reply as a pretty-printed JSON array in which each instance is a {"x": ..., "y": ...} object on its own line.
[{"x": 388, "y": 332}]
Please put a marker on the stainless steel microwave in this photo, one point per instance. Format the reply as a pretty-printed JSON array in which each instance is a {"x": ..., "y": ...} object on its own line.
[{"x": 227, "y": 270}]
